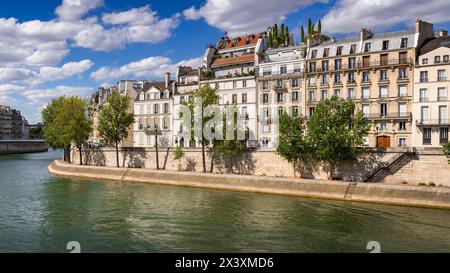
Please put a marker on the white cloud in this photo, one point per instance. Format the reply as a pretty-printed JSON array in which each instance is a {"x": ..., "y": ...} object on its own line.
[
  {"x": 146, "y": 68},
  {"x": 50, "y": 73},
  {"x": 73, "y": 10},
  {"x": 246, "y": 16},
  {"x": 191, "y": 13},
  {"x": 39, "y": 96},
  {"x": 349, "y": 16},
  {"x": 6, "y": 89},
  {"x": 137, "y": 16}
]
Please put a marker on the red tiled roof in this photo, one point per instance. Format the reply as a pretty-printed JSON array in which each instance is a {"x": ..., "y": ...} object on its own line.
[
  {"x": 234, "y": 60},
  {"x": 242, "y": 41}
]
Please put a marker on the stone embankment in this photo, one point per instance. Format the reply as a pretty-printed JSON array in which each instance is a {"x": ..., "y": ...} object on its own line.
[
  {"x": 359, "y": 192},
  {"x": 22, "y": 146}
]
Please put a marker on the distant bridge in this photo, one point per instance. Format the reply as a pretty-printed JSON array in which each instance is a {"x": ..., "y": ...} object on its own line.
[{"x": 22, "y": 146}]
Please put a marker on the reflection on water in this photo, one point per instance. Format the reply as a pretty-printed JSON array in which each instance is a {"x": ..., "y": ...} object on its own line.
[{"x": 40, "y": 213}]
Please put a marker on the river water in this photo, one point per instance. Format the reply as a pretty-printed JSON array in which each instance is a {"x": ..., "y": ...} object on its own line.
[{"x": 42, "y": 213}]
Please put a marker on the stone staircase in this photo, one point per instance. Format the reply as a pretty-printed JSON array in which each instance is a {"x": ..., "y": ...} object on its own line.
[{"x": 390, "y": 167}]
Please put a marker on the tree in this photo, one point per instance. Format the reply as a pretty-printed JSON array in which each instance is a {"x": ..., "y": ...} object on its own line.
[
  {"x": 66, "y": 121},
  {"x": 36, "y": 133},
  {"x": 208, "y": 96},
  {"x": 446, "y": 149},
  {"x": 115, "y": 121},
  {"x": 319, "y": 26},
  {"x": 178, "y": 154},
  {"x": 292, "y": 144},
  {"x": 302, "y": 34},
  {"x": 334, "y": 132},
  {"x": 310, "y": 27}
]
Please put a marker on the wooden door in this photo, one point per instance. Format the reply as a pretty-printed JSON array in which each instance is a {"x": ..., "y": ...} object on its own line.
[{"x": 383, "y": 142}]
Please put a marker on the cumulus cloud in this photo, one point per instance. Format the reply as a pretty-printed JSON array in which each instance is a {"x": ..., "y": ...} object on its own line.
[
  {"x": 349, "y": 16},
  {"x": 42, "y": 96},
  {"x": 146, "y": 68},
  {"x": 245, "y": 16},
  {"x": 73, "y": 10}
]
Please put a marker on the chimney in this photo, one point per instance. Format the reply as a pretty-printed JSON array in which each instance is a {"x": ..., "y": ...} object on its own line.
[
  {"x": 167, "y": 79},
  {"x": 443, "y": 32},
  {"x": 364, "y": 34}
]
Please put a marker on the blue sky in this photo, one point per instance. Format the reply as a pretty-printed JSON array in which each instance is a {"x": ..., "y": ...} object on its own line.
[{"x": 70, "y": 47}]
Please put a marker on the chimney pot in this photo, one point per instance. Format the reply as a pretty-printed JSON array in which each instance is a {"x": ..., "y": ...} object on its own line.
[{"x": 168, "y": 76}]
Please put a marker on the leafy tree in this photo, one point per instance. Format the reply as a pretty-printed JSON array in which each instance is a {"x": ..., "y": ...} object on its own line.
[
  {"x": 310, "y": 27},
  {"x": 319, "y": 26},
  {"x": 334, "y": 132},
  {"x": 279, "y": 37},
  {"x": 208, "y": 96},
  {"x": 446, "y": 148},
  {"x": 178, "y": 154},
  {"x": 37, "y": 133},
  {"x": 302, "y": 34},
  {"x": 66, "y": 121},
  {"x": 115, "y": 121},
  {"x": 292, "y": 144}
]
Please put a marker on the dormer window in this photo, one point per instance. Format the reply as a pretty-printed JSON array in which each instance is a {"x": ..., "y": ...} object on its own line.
[
  {"x": 385, "y": 45},
  {"x": 404, "y": 43},
  {"x": 235, "y": 42},
  {"x": 352, "y": 49},
  {"x": 326, "y": 52},
  {"x": 339, "y": 51},
  {"x": 313, "y": 54},
  {"x": 437, "y": 59},
  {"x": 367, "y": 47}
]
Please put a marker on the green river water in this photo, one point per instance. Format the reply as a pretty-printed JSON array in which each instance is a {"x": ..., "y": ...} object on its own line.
[{"x": 42, "y": 213}]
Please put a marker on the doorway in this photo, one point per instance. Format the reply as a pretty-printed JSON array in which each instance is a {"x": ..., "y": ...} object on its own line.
[{"x": 383, "y": 142}]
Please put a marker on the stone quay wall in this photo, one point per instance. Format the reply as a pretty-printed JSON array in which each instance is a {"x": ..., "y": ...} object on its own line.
[
  {"x": 22, "y": 146},
  {"x": 429, "y": 166}
]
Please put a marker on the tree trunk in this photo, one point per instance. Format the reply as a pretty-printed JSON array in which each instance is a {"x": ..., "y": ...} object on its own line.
[
  {"x": 81, "y": 155},
  {"x": 331, "y": 173},
  {"x": 295, "y": 170},
  {"x": 203, "y": 157},
  {"x": 67, "y": 151},
  {"x": 211, "y": 169},
  {"x": 117, "y": 154}
]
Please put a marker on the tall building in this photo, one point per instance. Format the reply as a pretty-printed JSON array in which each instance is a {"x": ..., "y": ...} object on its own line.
[
  {"x": 98, "y": 100},
  {"x": 376, "y": 72},
  {"x": 431, "y": 87},
  {"x": 230, "y": 68},
  {"x": 12, "y": 125},
  {"x": 187, "y": 83},
  {"x": 130, "y": 88},
  {"x": 280, "y": 88},
  {"x": 153, "y": 109}
]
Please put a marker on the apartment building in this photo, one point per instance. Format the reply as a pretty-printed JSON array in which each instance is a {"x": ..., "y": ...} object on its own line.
[
  {"x": 230, "y": 68},
  {"x": 431, "y": 87},
  {"x": 130, "y": 88},
  {"x": 12, "y": 125},
  {"x": 375, "y": 71},
  {"x": 153, "y": 108},
  {"x": 98, "y": 100},
  {"x": 187, "y": 83},
  {"x": 280, "y": 88}
]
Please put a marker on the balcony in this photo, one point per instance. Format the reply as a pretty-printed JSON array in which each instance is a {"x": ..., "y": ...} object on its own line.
[
  {"x": 402, "y": 79},
  {"x": 441, "y": 79},
  {"x": 290, "y": 72},
  {"x": 383, "y": 63},
  {"x": 395, "y": 115},
  {"x": 433, "y": 122}
]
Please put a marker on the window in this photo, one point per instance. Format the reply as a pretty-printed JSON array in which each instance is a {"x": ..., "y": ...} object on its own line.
[
  {"x": 312, "y": 67},
  {"x": 266, "y": 112},
  {"x": 424, "y": 114},
  {"x": 324, "y": 95},
  {"x": 326, "y": 52},
  {"x": 314, "y": 53},
  {"x": 383, "y": 109},
  {"x": 425, "y": 61},
  {"x": 283, "y": 70},
  {"x": 234, "y": 84},
  {"x": 265, "y": 98},
  {"x": 351, "y": 77},
  {"x": 280, "y": 97},
  {"x": 441, "y": 75},
  {"x": 324, "y": 65},
  {"x": 267, "y": 72},
  {"x": 294, "y": 110},
  {"x": 442, "y": 94},
  {"x": 338, "y": 64},
  {"x": 385, "y": 45},
  {"x": 383, "y": 75},
  {"x": 437, "y": 59},
  {"x": 339, "y": 50},
  {"x": 402, "y": 142},
  {"x": 312, "y": 96},
  {"x": 383, "y": 126},
  {"x": 166, "y": 108},
  {"x": 423, "y": 94},
  {"x": 402, "y": 90},
  {"x": 383, "y": 91},
  {"x": 367, "y": 47},
  {"x": 365, "y": 92},
  {"x": 294, "y": 96},
  {"x": 402, "y": 74},
  {"x": 443, "y": 115},
  {"x": 351, "y": 93},
  {"x": 351, "y": 63},
  {"x": 244, "y": 98},
  {"x": 324, "y": 79},
  {"x": 404, "y": 43},
  {"x": 426, "y": 134},
  {"x": 156, "y": 109},
  {"x": 312, "y": 81},
  {"x": 166, "y": 123},
  {"x": 337, "y": 93},
  {"x": 280, "y": 111},
  {"x": 295, "y": 83},
  {"x": 423, "y": 76},
  {"x": 402, "y": 109},
  {"x": 311, "y": 111},
  {"x": 443, "y": 135},
  {"x": 402, "y": 126},
  {"x": 337, "y": 78},
  {"x": 244, "y": 84},
  {"x": 279, "y": 84},
  {"x": 446, "y": 58},
  {"x": 234, "y": 98},
  {"x": 365, "y": 109},
  {"x": 265, "y": 142},
  {"x": 265, "y": 85},
  {"x": 365, "y": 76},
  {"x": 352, "y": 49}
]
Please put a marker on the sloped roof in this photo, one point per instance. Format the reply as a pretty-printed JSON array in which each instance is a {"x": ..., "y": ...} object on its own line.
[
  {"x": 241, "y": 59},
  {"x": 434, "y": 43},
  {"x": 227, "y": 43}
]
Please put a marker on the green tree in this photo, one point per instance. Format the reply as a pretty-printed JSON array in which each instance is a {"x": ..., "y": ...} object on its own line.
[
  {"x": 208, "y": 96},
  {"x": 446, "y": 149},
  {"x": 66, "y": 122},
  {"x": 36, "y": 133},
  {"x": 178, "y": 154},
  {"x": 302, "y": 34},
  {"x": 334, "y": 132},
  {"x": 319, "y": 26},
  {"x": 310, "y": 27},
  {"x": 292, "y": 144},
  {"x": 115, "y": 121}
]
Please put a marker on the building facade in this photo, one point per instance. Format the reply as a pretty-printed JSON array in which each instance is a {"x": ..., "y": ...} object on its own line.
[
  {"x": 376, "y": 72},
  {"x": 280, "y": 88},
  {"x": 187, "y": 83},
  {"x": 230, "y": 68},
  {"x": 12, "y": 125},
  {"x": 153, "y": 109},
  {"x": 431, "y": 87},
  {"x": 98, "y": 100}
]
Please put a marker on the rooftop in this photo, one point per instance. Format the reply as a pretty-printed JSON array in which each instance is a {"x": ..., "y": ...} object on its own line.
[
  {"x": 227, "y": 43},
  {"x": 434, "y": 43}
]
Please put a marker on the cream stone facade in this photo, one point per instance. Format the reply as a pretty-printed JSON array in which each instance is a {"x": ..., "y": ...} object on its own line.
[
  {"x": 376, "y": 72},
  {"x": 431, "y": 101},
  {"x": 280, "y": 89}
]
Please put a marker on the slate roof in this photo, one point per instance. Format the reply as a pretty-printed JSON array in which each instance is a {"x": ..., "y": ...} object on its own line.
[{"x": 434, "y": 43}]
